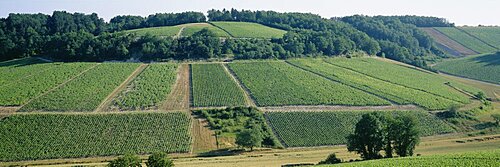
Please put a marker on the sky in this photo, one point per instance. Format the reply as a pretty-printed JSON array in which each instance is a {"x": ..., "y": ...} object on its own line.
[{"x": 460, "y": 12}]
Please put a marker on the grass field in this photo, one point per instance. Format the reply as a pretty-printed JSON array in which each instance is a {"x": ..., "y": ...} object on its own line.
[
  {"x": 149, "y": 88},
  {"x": 14, "y": 70},
  {"x": 466, "y": 40},
  {"x": 249, "y": 30},
  {"x": 490, "y": 35},
  {"x": 44, "y": 136},
  {"x": 275, "y": 83},
  {"x": 484, "y": 67},
  {"x": 168, "y": 31},
  {"x": 85, "y": 92},
  {"x": 47, "y": 76},
  {"x": 212, "y": 86},
  {"x": 190, "y": 29},
  {"x": 396, "y": 93},
  {"x": 299, "y": 129},
  {"x": 477, "y": 158}
]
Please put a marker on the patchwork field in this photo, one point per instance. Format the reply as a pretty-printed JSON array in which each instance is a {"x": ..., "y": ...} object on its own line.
[
  {"x": 300, "y": 129},
  {"x": 249, "y": 30},
  {"x": 85, "y": 92},
  {"x": 43, "y": 136},
  {"x": 212, "y": 86},
  {"x": 466, "y": 40},
  {"x": 279, "y": 83},
  {"x": 484, "y": 67},
  {"x": 448, "y": 45},
  {"x": 490, "y": 35}
]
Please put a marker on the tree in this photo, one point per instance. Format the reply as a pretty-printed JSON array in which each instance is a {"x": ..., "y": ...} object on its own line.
[
  {"x": 128, "y": 160},
  {"x": 159, "y": 159},
  {"x": 406, "y": 135},
  {"x": 331, "y": 159},
  {"x": 368, "y": 137},
  {"x": 496, "y": 117},
  {"x": 249, "y": 138}
]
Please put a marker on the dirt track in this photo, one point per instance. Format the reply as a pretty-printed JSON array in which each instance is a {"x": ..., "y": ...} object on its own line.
[
  {"x": 449, "y": 45},
  {"x": 178, "y": 98}
]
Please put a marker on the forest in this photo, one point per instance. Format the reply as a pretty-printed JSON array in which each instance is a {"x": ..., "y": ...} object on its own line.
[{"x": 65, "y": 36}]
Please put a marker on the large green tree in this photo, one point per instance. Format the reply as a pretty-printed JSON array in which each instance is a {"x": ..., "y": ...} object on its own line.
[
  {"x": 159, "y": 159},
  {"x": 368, "y": 138},
  {"x": 249, "y": 138},
  {"x": 128, "y": 160},
  {"x": 406, "y": 135}
]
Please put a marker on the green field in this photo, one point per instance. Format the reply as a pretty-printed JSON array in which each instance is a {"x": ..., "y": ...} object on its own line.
[
  {"x": 168, "y": 31},
  {"x": 212, "y": 86},
  {"x": 300, "y": 129},
  {"x": 396, "y": 93},
  {"x": 14, "y": 70},
  {"x": 47, "y": 76},
  {"x": 45, "y": 136},
  {"x": 465, "y": 39},
  {"x": 478, "y": 158},
  {"x": 275, "y": 83},
  {"x": 85, "y": 92},
  {"x": 484, "y": 67},
  {"x": 249, "y": 30},
  {"x": 148, "y": 89},
  {"x": 190, "y": 29},
  {"x": 490, "y": 35}
]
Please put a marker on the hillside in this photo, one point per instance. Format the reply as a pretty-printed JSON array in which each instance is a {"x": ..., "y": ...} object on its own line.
[
  {"x": 448, "y": 45},
  {"x": 485, "y": 67},
  {"x": 467, "y": 40},
  {"x": 489, "y": 35}
]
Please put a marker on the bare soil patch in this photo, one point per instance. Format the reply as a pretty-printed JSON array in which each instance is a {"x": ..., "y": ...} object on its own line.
[
  {"x": 178, "y": 99},
  {"x": 447, "y": 44}
]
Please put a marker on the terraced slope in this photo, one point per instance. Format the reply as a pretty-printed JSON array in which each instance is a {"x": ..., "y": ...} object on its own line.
[
  {"x": 490, "y": 35},
  {"x": 484, "y": 67},
  {"x": 466, "y": 40},
  {"x": 447, "y": 44},
  {"x": 249, "y": 30}
]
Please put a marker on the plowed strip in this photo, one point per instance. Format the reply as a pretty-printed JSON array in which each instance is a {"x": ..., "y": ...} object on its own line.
[
  {"x": 448, "y": 44},
  {"x": 178, "y": 99}
]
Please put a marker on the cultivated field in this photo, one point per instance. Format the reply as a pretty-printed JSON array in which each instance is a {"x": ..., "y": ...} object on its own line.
[
  {"x": 249, "y": 30},
  {"x": 44, "y": 136},
  {"x": 190, "y": 29},
  {"x": 490, "y": 35},
  {"x": 466, "y": 40},
  {"x": 167, "y": 31},
  {"x": 484, "y": 67},
  {"x": 447, "y": 44},
  {"x": 299, "y": 129}
]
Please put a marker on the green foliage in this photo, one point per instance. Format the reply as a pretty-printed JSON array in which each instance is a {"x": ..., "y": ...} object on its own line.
[
  {"x": 85, "y": 92},
  {"x": 14, "y": 70},
  {"x": 191, "y": 29},
  {"x": 484, "y": 67},
  {"x": 331, "y": 159},
  {"x": 490, "y": 35},
  {"x": 249, "y": 138},
  {"x": 249, "y": 30},
  {"x": 46, "y": 136},
  {"x": 404, "y": 134},
  {"x": 168, "y": 31},
  {"x": 26, "y": 86},
  {"x": 159, "y": 159},
  {"x": 231, "y": 121},
  {"x": 149, "y": 89},
  {"x": 368, "y": 138},
  {"x": 466, "y": 40},
  {"x": 331, "y": 128},
  {"x": 496, "y": 117},
  {"x": 281, "y": 84},
  {"x": 212, "y": 86},
  {"x": 128, "y": 160}
]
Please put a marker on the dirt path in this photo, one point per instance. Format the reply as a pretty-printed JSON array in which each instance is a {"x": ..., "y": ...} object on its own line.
[
  {"x": 203, "y": 137},
  {"x": 248, "y": 97},
  {"x": 178, "y": 98},
  {"x": 178, "y": 35},
  {"x": 60, "y": 85},
  {"x": 448, "y": 44},
  {"x": 107, "y": 101}
]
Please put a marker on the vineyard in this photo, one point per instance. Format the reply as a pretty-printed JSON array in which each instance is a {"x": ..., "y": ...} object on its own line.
[
  {"x": 44, "y": 136},
  {"x": 299, "y": 129},
  {"x": 29, "y": 87},
  {"x": 212, "y": 86},
  {"x": 85, "y": 92},
  {"x": 466, "y": 40},
  {"x": 14, "y": 70},
  {"x": 249, "y": 30},
  {"x": 190, "y": 29},
  {"x": 396, "y": 93},
  {"x": 168, "y": 31},
  {"x": 478, "y": 158},
  {"x": 148, "y": 89},
  {"x": 281, "y": 84},
  {"x": 490, "y": 35},
  {"x": 481, "y": 67}
]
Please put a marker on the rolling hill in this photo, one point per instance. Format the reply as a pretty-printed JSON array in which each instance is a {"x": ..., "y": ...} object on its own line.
[
  {"x": 485, "y": 67},
  {"x": 463, "y": 41}
]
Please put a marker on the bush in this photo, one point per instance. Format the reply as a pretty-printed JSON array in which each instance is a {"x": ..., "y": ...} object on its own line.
[
  {"x": 128, "y": 160},
  {"x": 331, "y": 159},
  {"x": 159, "y": 160}
]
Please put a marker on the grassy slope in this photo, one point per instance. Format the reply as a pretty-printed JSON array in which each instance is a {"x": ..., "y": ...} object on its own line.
[
  {"x": 481, "y": 67},
  {"x": 249, "y": 30},
  {"x": 157, "y": 31},
  {"x": 490, "y": 35},
  {"x": 466, "y": 39},
  {"x": 190, "y": 29}
]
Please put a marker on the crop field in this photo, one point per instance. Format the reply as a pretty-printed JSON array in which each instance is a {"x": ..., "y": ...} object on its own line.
[
  {"x": 490, "y": 35},
  {"x": 408, "y": 77},
  {"x": 396, "y": 93},
  {"x": 14, "y": 70},
  {"x": 29, "y": 87},
  {"x": 212, "y": 86},
  {"x": 466, "y": 40},
  {"x": 85, "y": 92},
  {"x": 299, "y": 129},
  {"x": 448, "y": 45},
  {"x": 168, "y": 31},
  {"x": 477, "y": 158},
  {"x": 149, "y": 88},
  {"x": 281, "y": 84},
  {"x": 484, "y": 67},
  {"x": 190, "y": 29},
  {"x": 249, "y": 30},
  {"x": 45, "y": 136}
]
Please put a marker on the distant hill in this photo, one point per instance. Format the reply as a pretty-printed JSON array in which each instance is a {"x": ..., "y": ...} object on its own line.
[
  {"x": 463, "y": 41},
  {"x": 485, "y": 67}
]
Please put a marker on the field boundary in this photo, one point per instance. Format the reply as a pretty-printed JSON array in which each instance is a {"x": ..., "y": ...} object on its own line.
[
  {"x": 320, "y": 108},
  {"x": 457, "y": 41},
  {"x": 447, "y": 44},
  {"x": 231, "y": 35},
  {"x": 268, "y": 122},
  {"x": 178, "y": 35},
  {"x": 176, "y": 97},
  {"x": 107, "y": 101},
  {"x": 473, "y": 36},
  {"x": 248, "y": 97},
  {"x": 29, "y": 75}
]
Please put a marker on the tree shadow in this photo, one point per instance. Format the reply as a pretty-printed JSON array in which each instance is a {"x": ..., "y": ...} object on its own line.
[
  {"x": 490, "y": 59},
  {"x": 484, "y": 125},
  {"x": 221, "y": 152},
  {"x": 21, "y": 62}
]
